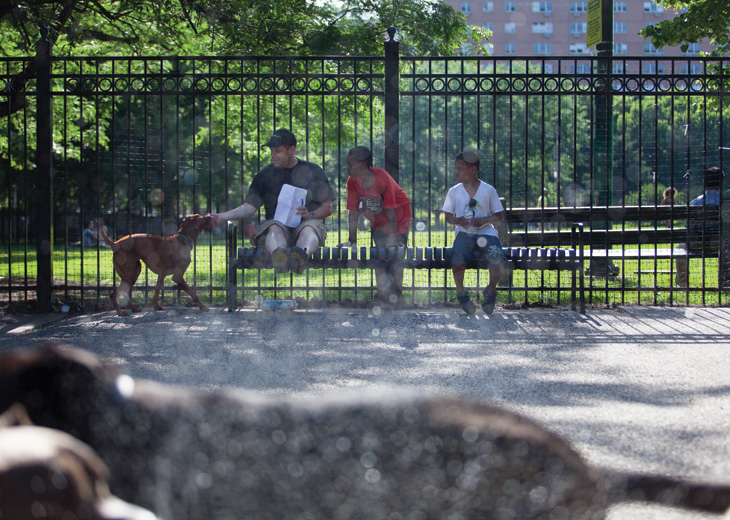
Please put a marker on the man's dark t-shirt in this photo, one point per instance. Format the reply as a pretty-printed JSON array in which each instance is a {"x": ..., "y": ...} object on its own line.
[{"x": 267, "y": 183}]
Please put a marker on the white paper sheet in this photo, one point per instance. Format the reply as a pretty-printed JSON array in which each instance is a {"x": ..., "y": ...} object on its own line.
[{"x": 290, "y": 198}]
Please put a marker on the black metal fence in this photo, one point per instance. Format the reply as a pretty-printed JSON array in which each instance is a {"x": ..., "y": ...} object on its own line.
[{"x": 142, "y": 142}]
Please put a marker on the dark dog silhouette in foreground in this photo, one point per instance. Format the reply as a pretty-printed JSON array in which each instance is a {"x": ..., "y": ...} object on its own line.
[
  {"x": 49, "y": 474},
  {"x": 190, "y": 455},
  {"x": 164, "y": 256}
]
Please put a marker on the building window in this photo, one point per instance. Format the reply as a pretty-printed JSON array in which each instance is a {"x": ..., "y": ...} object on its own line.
[
  {"x": 578, "y": 48},
  {"x": 620, "y": 7},
  {"x": 548, "y": 68},
  {"x": 651, "y": 7},
  {"x": 545, "y": 8},
  {"x": 652, "y": 68},
  {"x": 578, "y": 28},
  {"x": 488, "y": 7},
  {"x": 509, "y": 7},
  {"x": 620, "y": 28},
  {"x": 578, "y": 8},
  {"x": 545, "y": 28},
  {"x": 489, "y": 26},
  {"x": 694, "y": 68},
  {"x": 620, "y": 48},
  {"x": 510, "y": 27},
  {"x": 650, "y": 49},
  {"x": 693, "y": 48},
  {"x": 466, "y": 8},
  {"x": 544, "y": 49},
  {"x": 618, "y": 68},
  {"x": 580, "y": 68},
  {"x": 509, "y": 48}
]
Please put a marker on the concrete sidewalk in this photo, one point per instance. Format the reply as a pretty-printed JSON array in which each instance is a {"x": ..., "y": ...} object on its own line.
[{"x": 635, "y": 388}]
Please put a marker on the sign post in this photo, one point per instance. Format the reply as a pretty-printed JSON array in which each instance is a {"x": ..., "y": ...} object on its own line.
[
  {"x": 599, "y": 33},
  {"x": 594, "y": 34}
]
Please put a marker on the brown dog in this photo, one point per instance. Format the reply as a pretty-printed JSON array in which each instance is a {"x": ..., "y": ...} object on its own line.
[
  {"x": 164, "y": 256},
  {"x": 190, "y": 455}
]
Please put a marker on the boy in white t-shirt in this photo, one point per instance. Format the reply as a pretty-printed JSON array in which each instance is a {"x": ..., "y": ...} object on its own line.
[{"x": 473, "y": 206}]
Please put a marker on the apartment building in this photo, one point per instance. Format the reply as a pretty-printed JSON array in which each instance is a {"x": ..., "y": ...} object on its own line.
[{"x": 558, "y": 27}]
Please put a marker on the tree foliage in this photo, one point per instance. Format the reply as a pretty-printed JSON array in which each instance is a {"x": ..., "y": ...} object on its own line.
[
  {"x": 233, "y": 27},
  {"x": 695, "y": 21}
]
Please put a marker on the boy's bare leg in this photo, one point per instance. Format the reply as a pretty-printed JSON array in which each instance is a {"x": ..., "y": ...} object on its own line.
[
  {"x": 494, "y": 274},
  {"x": 464, "y": 300},
  {"x": 682, "y": 275},
  {"x": 458, "y": 271}
]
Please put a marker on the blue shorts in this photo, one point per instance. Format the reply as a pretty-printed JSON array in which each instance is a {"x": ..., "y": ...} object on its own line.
[{"x": 486, "y": 250}]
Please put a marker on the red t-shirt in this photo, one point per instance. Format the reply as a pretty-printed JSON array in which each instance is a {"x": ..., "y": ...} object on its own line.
[{"x": 388, "y": 193}]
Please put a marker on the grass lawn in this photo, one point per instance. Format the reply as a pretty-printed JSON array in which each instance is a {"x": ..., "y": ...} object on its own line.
[{"x": 90, "y": 271}]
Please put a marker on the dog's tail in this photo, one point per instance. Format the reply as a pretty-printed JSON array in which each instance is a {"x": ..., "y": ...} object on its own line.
[
  {"x": 698, "y": 496},
  {"x": 106, "y": 239}
]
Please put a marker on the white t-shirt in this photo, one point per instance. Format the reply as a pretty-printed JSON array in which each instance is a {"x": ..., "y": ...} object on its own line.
[{"x": 488, "y": 203}]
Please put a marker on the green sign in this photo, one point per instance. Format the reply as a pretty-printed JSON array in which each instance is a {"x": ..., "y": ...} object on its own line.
[{"x": 593, "y": 32}]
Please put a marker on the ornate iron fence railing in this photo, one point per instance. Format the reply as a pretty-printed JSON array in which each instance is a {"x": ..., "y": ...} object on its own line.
[{"x": 144, "y": 141}]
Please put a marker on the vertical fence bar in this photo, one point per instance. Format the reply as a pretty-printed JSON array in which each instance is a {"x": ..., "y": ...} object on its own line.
[
  {"x": 392, "y": 103},
  {"x": 44, "y": 174}
]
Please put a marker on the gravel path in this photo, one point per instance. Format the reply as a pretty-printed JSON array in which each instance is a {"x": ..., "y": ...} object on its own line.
[{"x": 635, "y": 388}]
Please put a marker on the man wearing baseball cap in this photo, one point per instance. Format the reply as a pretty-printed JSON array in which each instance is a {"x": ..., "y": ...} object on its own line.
[{"x": 286, "y": 168}]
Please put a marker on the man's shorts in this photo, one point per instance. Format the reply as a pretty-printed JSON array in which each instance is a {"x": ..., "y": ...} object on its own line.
[
  {"x": 485, "y": 249},
  {"x": 380, "y": 238},
  {"x": 258, "y": 237}
]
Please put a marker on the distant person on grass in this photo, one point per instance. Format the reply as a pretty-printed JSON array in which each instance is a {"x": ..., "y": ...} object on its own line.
[
  {"x": 286, "y": 168},
  {"x": 373, "y": 193},
  {"x": 703, "y": 237},
  {"x": 669, "y": 198},
  {"x": 473, "y": 207},
  {"x": 91, "y": 236}
]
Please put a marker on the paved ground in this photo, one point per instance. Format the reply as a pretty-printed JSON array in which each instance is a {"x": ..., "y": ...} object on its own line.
[{"x": 636, "y": 388}]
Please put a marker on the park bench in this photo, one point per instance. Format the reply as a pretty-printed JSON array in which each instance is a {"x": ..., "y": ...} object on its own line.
[
  {"x": 520, "y": 258},
  {"x": 643, "y": 234}
]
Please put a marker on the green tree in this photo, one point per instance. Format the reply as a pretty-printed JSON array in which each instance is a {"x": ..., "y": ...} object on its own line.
[
  {"x": 226, "y": 27},
  {"x": 695, "y": 21}
]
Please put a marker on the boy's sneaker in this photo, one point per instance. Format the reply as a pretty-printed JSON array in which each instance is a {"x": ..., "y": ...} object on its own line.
[
  {"x": 466, "y": 304},
  {"x": 490, "y": 299}
]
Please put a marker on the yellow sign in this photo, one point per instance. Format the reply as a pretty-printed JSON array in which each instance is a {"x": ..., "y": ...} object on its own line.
[{"x": 593, "y": 32}]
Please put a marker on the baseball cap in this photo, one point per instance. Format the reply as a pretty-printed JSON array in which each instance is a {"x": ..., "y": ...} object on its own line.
[{"x": 281, "y": 137}]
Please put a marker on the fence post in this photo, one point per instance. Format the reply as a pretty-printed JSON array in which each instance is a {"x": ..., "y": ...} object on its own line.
[
  {"x": 392, "y": 100},
  {"x": 603, "y": 126},
  {"x": 603, "y": 129},
  {"x": 42, "y": 181}
]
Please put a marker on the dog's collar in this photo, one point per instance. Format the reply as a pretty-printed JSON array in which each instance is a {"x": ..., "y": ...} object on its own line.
[{"x": 190, "y": 242}]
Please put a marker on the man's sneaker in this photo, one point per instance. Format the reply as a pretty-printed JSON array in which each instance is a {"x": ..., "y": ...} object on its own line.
[
  {"x": 297, "y": 259},
  {"x": 261, "y": 258},
  {"x": 280, "y": 260},
  {"x": 466, "y": 304},
  {"x": 490, "y": 299}
]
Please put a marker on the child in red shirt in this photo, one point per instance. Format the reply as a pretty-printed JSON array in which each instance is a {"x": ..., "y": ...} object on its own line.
[{"x": 373, "y": 193}]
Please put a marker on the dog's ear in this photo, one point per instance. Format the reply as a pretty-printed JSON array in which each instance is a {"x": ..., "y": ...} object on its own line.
[{"x": 54, "y": 384}]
